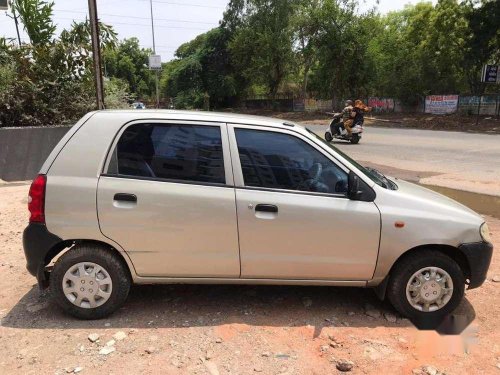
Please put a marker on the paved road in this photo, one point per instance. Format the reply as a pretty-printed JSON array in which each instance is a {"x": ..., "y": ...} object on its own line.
[{"x": 457, "y": 160}]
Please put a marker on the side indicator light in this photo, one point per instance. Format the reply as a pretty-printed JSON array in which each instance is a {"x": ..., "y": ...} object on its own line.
[{"x": 399, "y": 224}]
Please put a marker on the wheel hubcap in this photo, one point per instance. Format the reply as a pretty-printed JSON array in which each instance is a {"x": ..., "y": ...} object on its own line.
[
  {"x": 429, "y": 289},
  {"x": 87, "y": 285}
]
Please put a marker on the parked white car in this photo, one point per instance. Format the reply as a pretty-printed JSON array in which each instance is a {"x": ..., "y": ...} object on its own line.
[{"x": 195, "y": 197}]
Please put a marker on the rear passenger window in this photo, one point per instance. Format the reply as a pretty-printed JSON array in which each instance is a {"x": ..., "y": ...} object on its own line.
[{"x": 174, "y": 152}]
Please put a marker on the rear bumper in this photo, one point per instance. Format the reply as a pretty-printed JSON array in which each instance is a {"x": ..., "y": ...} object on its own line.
[
  {"x": 478, "y": 255},
  {"x": 37, "y": 243}
]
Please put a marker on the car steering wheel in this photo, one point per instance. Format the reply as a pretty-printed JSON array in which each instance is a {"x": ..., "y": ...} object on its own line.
[{"x": 311, "y": 184}]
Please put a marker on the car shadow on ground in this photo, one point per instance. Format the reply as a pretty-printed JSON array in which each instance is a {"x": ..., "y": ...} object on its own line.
[{"x": 157, "y": 306}]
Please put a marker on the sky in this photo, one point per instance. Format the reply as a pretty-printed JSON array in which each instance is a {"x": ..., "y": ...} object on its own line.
[{"x": 176, "y": 21}]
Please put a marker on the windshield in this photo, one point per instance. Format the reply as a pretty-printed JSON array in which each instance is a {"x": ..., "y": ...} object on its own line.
[{"x": 371, "y": 173}]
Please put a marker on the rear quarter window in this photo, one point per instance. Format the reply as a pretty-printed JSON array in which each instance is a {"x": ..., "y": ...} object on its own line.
[{"x": 190, "y": 153}]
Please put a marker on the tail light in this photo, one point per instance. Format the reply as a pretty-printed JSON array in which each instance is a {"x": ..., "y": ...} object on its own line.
[{"x": 36, "y": 199}]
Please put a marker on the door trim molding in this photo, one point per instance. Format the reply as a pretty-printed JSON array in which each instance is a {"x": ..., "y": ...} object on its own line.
[
  {"x": 168, "y": 180},
  {"x": 284, "y": 191}
]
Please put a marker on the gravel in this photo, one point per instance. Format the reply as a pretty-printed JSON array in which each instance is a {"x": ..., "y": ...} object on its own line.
[
  {"x": 372, "y": 311},
  {"x": 344, "y": 365},
  {"x": 390, "y": 317},
  {"x": 268, "y": 329},
  {"x": 93, "y": 337},
  {"x": 106, "y": 350},
  {"x": 120, "y": 335}
]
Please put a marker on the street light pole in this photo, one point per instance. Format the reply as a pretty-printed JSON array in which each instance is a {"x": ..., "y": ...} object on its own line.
[
  {"x": 96, "y": 53},
  {"x": 154, "y": 52}
]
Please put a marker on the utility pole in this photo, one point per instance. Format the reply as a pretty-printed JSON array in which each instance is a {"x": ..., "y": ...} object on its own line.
[
  {"x": 16, "y": 22},
  {"x": 17, "y": 27},
  {"x": 96, "y": 54},
  {"x": 154, "y": 52}
]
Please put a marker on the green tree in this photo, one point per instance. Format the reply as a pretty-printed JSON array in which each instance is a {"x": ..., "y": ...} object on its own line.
[
  {"x": 342, "y": 43},
  {"x": 202, "y": 70},
  {"x": 261, "y": 46},
  {"x": 53, "y": 82},
  {"x": 220, "y": 81},
  {"x": 426, "y": 49},
  {"x": 129, "y": 62},
  {"x": 36, "y": 17},
  {"x": 318, "y": 48},
  {"x": 116, "y": 93},
  {"x": 483, "y": 46},
  {"x": 185, "y": 83},
  {"x": 443, "y": 46},
  {"x": 306, "y": 24},
  {"x": 403, "y": 58}
]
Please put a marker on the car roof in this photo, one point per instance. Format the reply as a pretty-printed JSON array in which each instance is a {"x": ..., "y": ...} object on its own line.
[{"x": 169, "y": 114}]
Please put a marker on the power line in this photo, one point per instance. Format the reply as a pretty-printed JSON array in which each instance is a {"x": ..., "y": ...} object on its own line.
[
  {"x": 188, "y": 4},
  {"x": 137, "y": 24},
  {"x": 134, "y": 17},
  {"x": 166, "y": 47}
]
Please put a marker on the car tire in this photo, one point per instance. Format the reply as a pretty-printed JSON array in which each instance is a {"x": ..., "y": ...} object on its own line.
[
  {"x": 328, "y": 137},
  {"x": 101, "y": 266},
  {"x": 355, "y": 139},
  {"x": 400, "y": 290}
]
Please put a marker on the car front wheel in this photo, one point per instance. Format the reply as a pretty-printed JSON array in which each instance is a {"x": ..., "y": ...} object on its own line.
[
  {"x": 426, "y": 285},
  {"x": 90, "y": 281}
]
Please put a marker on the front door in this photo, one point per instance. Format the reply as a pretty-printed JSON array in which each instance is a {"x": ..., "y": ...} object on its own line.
[
  {"x": 167, "y": 199},
  {"x": 295, "y": 220}
]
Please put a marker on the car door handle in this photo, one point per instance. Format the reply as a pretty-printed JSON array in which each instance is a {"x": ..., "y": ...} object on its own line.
[
  {"x": 266, "y": 208},
  {"x": 125, "y": 197}
]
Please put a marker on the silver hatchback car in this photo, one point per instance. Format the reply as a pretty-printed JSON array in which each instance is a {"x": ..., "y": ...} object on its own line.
[{"x": 193, "y": 197}]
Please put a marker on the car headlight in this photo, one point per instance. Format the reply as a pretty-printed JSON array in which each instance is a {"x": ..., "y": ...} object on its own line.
[{"x": 485, "y": 232}]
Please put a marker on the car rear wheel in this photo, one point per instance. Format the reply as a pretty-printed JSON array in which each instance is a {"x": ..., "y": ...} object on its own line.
[
  {"x": 90, "y": 282},
  {"x": 426, "y": 285}
]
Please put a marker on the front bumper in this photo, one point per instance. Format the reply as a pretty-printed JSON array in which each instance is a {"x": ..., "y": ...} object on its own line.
[
  {"x": 37, "y": 243},
  {"x": 478, "y": 255}
]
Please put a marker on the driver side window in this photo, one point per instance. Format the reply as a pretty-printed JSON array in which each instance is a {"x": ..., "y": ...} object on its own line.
[{"x": 282, "y": 161}]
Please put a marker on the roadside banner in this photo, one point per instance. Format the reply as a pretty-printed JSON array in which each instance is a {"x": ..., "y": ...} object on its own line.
[
  {"x": 470, "y": 104},
  {"x": 441, "y": 104},
  {"x": 381, "y": 104}
]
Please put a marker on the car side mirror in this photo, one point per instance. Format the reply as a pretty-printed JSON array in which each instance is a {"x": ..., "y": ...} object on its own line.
[{"x": 353, "y": 191}]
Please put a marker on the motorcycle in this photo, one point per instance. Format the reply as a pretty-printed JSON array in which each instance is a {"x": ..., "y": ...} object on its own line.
[{"x": 336, "y": 130}]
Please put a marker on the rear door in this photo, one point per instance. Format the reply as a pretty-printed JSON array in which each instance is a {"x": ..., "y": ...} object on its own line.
[
  {"x": 167, "y": 198},
  {"x": 294, "y": 217}
]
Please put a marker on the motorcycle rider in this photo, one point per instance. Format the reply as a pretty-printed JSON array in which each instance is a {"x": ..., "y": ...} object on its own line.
[
  {"x": 348, "y": 116},
  {"x": 359, "y": 110}
]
